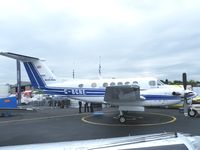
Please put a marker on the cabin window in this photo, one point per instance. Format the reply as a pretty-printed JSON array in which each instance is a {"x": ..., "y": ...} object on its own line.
[
  {"x": 93, "y": 85},
  {"x": 80, "y": 85},
  {"x": 152, "y": 83},
  {"x": 127, "y": 83},
  {"x": 112, "y": 84},
  {"x": 105, "y": 84},
  {"x": 119, "y": 83},
  {"x": 135, "y": 82}
]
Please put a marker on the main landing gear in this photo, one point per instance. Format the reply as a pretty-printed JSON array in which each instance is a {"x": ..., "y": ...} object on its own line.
[{"x": 122, "y": 118}]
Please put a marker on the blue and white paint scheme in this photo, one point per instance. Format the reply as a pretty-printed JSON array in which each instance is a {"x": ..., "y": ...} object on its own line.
[{"x": 152, "y": 91}]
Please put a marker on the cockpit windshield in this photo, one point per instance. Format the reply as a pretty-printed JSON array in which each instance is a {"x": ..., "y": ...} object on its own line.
[{"x": 160, "y": 83}]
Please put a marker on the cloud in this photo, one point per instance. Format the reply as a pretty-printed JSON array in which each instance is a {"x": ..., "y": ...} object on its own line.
[{"x": 132, "y": 37}]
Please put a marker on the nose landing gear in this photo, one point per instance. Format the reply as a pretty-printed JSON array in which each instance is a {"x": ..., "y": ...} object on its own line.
[{"x": 194, "y": 110}]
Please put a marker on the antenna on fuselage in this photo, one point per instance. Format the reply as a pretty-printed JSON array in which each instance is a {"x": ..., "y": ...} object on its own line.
[
  {"x": 73, "y": 72},
  {"x": 99, "y": 66}
]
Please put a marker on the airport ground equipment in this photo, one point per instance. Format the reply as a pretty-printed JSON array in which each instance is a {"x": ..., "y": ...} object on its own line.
[
  {"x": 8, "y": 102},
  {"x": 8, "y": 105}
]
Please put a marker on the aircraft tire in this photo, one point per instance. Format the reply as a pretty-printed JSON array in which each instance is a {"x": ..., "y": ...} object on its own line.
[{"x": 192, "y": 112}]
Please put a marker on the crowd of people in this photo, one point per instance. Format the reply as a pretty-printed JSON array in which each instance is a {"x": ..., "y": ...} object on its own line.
[
  {"x": 88, "y": 107},
  {"x": 83, "y": 106},
  {"x": 61, "y": 104}
]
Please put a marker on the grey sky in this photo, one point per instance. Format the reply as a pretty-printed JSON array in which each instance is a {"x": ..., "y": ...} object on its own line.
[{"x": 133, "y": 37}]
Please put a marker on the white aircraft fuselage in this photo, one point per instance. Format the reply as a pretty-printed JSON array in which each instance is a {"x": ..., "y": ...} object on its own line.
[{"x": 155, "y": 92}]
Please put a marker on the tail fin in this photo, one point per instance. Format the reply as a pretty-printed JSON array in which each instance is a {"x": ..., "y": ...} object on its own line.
[{"x": 39, "y": 74}]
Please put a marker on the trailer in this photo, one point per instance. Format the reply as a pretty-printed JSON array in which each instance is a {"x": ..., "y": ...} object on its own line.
[{"x": 8, "y": 106}]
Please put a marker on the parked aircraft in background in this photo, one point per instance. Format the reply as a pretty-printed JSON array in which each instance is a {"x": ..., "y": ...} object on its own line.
[{"x": 130, "y": 94}]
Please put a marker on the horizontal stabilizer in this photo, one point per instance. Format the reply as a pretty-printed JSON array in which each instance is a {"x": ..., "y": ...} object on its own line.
[
  {"x": 22, "y": 58},
  {"x": 39, "y": 73}
]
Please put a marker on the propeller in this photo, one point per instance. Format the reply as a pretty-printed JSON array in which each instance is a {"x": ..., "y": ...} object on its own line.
[
  {"x": 185, "y": 104},
  {"x": 184, "y": 81}
]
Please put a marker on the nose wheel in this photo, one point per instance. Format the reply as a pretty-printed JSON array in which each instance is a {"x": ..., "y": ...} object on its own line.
[{"x": 192, "y": 112}]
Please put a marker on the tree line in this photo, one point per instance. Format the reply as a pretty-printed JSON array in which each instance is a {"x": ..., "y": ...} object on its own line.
[{"x": 193, "y": 83}]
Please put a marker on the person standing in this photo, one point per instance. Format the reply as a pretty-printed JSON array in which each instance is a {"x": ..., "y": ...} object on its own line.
[
  {"x": 80, "y": 106},
  {"x": 91, "y": 107},
  {"x": 85, "y": 107}
]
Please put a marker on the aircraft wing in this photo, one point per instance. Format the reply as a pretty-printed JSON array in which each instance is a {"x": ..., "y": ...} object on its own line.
[
  {"x": 144, "y": 142},
  {"x": 122, "y": 94}
]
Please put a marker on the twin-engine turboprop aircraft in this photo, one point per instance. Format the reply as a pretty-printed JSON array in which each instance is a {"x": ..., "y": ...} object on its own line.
[{"x": 129, "y": 94}]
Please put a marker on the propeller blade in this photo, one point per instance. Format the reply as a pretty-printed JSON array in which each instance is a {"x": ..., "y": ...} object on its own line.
[
  {"x": 184, "y": 81},
  {"x": 185, "y": 105}
]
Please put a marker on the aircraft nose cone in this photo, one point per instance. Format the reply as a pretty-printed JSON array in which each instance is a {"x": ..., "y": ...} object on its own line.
[{"x": 190, "y": 94}]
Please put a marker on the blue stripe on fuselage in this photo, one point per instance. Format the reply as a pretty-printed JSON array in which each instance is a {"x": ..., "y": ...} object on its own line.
[
  {"x": 81, "y": 92},
  {"x": 160, "y": 97},
  {"x": 75, "y": 91}
]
